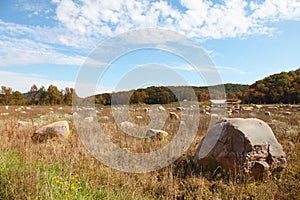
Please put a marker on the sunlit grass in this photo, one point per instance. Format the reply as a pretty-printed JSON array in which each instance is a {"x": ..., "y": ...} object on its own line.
[{"x": 63, "y": 169}]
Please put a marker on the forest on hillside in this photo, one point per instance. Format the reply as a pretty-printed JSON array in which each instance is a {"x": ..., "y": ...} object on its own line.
[{"x": 283, "y": 87}]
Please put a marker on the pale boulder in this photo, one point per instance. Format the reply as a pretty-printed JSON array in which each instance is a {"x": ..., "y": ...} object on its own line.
[
  {"x": 57, "y": 129},
  {"x": 159, "y": 133},
  {"x": 173, "y": 116},
  {"x": 241, "y": 145},
  {"x": 267, "y": 113},
  {"x": 161, "y": 108}
]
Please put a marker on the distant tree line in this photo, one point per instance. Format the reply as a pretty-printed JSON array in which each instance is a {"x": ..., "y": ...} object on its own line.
[
  {"x": 37, "y": 96},
  {"x": 283, "y": 87},
  {"x": 165, "y": 95}
]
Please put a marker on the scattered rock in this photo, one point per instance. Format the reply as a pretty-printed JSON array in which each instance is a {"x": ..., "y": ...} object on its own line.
[
  {"x": 247, "y": 108},
  {"x": 127, "y": 125},
  {"x": 242, "y": 145},
  {"x": 174, "y": 116},
  {"x": 180, "y": 108},
  {"x": 267, "y": 113},
  {"x": 273, "y": 108},
  {"x": 161, "y": 108},
  {"x": 89, "y": 119},
  {"x": 258, "y": 106},
  {"x": 56, "y": 129},
  {"x": 146, "y": 110},
  {"x": 202, "y": 111},
  {"x": 139, "y": 117},
  {"x": 104, "y": 118},
  {"x": 159, "y": 133},
  {"x": 26, "y": 124},
  {"x": 236, "y": 107}
]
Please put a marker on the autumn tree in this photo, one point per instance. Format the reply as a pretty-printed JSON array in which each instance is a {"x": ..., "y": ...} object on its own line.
[
  {"x": 33, "y": 94},
  {"x": 7, "y": 97}
]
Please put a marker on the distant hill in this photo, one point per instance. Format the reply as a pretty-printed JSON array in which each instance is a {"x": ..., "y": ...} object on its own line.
[
  {"x": 282, "y": 87},
  {"x": 164, "y": 95}
]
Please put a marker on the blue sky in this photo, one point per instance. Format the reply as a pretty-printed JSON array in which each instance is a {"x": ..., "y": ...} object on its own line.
[{"x": 46, "y": 42}]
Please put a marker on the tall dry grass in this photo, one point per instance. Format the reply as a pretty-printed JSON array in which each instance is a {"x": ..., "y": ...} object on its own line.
[{"x": 64, "y": 169}]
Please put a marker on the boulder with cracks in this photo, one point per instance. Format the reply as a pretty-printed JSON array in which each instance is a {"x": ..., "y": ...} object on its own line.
[{"x": 246, "y": 146}]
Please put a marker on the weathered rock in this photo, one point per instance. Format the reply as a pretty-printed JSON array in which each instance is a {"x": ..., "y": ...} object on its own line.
[
  {"x": 180, "y": 108},
  {"x": 56, "y": 129},
  {"x": 247, "y": 108},
  {"x": 127, "y": 125},
  {"x": 258, "y": 106},
  {"x": 26, "y": 124},
  {"x": 287, "y": 113},
  {"x": 267, "y": 113},
  {"x": 139, "y": 117},
  {"x": 89, "y": 119},
  {"x": 103, "y": 118},
  {"x": 161, "y": 108},
  {"x": 174, "y": 116},
  {"x": 241, "y": 145},
  {"x": 159, "y": 133}
]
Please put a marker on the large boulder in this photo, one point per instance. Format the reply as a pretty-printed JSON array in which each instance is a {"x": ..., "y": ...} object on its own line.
[
  {"x": 241, "y": 145},
  {"x": 56, "y": 129}
]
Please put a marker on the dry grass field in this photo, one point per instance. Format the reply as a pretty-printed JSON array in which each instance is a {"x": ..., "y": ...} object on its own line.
[{"x": 64, "y": 169}]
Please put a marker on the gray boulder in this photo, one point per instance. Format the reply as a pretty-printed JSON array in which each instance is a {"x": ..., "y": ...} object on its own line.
[{"x": 241, "y": 145}]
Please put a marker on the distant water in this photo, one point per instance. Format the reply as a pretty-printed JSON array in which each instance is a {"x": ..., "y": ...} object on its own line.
[{"x": 218, "y": 101}]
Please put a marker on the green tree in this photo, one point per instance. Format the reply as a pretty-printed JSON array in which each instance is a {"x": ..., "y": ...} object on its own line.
[
  {"x": 68, "y": 95},
  {"x": 18, "y": 98},
  {"x": 43, "y": 95},
  {"x": 54, "y": 95}
]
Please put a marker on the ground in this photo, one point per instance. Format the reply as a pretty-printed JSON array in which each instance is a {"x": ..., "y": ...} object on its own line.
[{"x": 64, "y": 169}]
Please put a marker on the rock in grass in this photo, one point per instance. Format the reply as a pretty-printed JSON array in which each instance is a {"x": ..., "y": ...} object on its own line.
[
  {"x": 56, "y": 129},
  {"x": 246, "y": 146},
  {"x": 158, "y": 133},
  {"x": 173, "y": 116}
]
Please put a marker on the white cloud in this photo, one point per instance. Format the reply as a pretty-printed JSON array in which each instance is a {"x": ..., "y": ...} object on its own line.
[
  {"x": 201, "y": 19},
  {"x": 276, "y": 10},
  {"x": 81, "y": 25},
  {"x": 21, "y": 45},
  {"x": 24, "y": 52}
]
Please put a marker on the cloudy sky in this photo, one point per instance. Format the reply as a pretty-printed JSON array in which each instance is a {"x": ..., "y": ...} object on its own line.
[{"x": 46, "y": 42}]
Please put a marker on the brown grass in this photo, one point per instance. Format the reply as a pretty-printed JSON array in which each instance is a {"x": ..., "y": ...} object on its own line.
[{"x": 63, "y": 169}]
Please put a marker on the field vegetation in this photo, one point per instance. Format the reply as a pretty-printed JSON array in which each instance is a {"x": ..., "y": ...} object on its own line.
[{"x": 64, "y": 169}]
